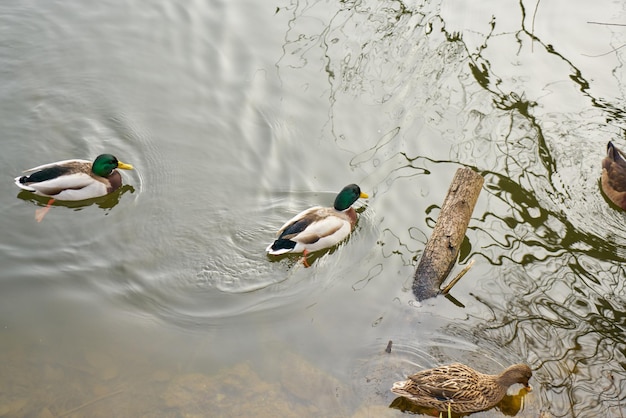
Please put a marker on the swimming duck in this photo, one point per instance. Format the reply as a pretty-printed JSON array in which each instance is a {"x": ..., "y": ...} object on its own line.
[
  {"x": 74, "y": 179},
  {"x": 318, "y": 227},
  {"x": 460, "y": 389},
  {"x": 614, "y": 175}
]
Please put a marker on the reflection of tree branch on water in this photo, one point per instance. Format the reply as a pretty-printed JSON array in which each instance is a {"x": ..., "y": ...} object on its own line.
[
  {"x": 550, "y": 231},
  {"x": 576, "y": 76},
  {"x": 481, "y": 70}
]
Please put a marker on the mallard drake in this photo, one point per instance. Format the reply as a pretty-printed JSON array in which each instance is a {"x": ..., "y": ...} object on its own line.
[
  {"x": 74, "y": 179},
  {"x": 318, "y": 227},
  {"x": 614, "y": 175},
  {"x": 460, "y": 389}
]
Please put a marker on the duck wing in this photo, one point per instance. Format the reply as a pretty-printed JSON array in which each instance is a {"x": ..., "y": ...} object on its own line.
[
  {"x": 454, "y": 382},
  {"x": 311, "y": 225},
  {"x": 298, "y": 223},
  {"x": 51, "y": 179},
  {"x": 64, "y": 163},
  {"x": 616, "y": 175}
]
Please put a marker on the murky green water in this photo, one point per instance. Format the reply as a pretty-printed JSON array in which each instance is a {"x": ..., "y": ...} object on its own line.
[{"x": 159, "y": 300}]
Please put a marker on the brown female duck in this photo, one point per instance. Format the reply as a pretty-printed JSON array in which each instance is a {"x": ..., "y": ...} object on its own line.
[
  {"x": 460, "y": 389},
  {"x": 614, "y": 175}
]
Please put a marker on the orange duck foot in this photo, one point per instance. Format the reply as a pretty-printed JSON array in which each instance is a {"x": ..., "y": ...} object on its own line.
[
  {"x": 41, "y": 212},
  {"x": 304, "y": 260}
]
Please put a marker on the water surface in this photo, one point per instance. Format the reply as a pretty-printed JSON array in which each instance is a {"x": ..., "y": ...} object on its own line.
[{"x": 160, "y": 301}]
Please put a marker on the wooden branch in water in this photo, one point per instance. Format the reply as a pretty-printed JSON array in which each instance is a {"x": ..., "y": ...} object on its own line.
[{"x": 442, "y": 249}]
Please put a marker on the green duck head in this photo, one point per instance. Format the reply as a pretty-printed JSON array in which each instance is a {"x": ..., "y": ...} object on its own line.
[
  {"x": 347, "y": 196},
  {"x": 104, "y": 165}
]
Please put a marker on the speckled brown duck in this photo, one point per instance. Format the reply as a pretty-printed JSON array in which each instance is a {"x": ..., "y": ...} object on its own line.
[
  {"x": 614, "y": 175},
  {"x": 460, "y": 389}
]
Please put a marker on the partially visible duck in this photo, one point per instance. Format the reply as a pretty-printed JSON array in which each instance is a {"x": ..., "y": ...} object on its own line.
[
  {"x": 460, "y": 389},
  {"x": 73, "y": 179},
  {"x": 319, "y": 227},
  {"x": 614, "y": 175}
]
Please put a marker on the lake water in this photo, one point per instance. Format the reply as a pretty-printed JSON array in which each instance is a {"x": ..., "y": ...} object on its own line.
[{"x": 159, "y": 300}]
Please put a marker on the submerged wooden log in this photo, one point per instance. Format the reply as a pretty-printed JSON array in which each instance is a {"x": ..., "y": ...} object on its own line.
[{"x": 442, "y": 249}]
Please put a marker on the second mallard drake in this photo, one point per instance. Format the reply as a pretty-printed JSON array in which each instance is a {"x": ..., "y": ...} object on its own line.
[
  {"x": 614, "y": 175},
  {"x": 459, "y": 388},
  {"x": 319, "y": 227}
]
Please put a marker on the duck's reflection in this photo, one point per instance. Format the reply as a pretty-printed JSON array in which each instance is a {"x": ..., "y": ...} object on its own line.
[{"x": 104, "y": 202}]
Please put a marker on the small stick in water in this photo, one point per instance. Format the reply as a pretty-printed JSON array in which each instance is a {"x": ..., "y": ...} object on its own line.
[{"x": 446, "y": 289}]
